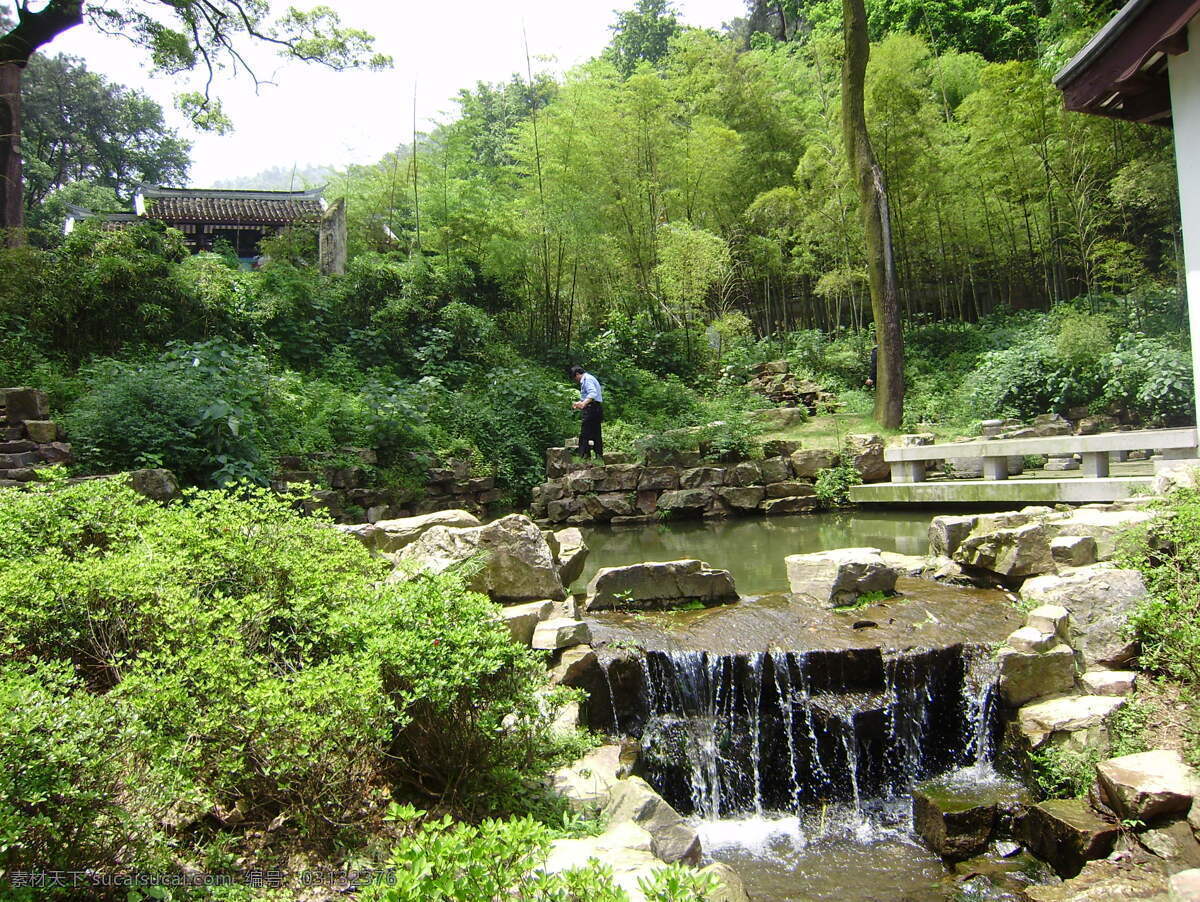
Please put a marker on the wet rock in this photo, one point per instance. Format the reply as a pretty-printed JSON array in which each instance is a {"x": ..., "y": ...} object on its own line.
[
  {"x": 775, "y": 469},
  {"x": 561, "y": 632},
  {"x": 798, "y": 505},
  {"x": 1024, "y": 676},
  {"x": 572, "y": 554},
  {"x": 1105, "y": 881},
  {"x": 729, "y": 885},
  {"x": 864, "y": 452},
  {"x": 691, "y": 501},
  {"x": 158, "y": 484},
  {"x": 807, "y": 464},
  {"x": 1148, "y": 785},
  {"x": 1066, "y": 833},
  {"x": 522, "y": 619},
  {"x": 1109, "y": 682},
  {"x": 400, "y": 533},
  {"x": 1100, "y": 599},
  {"x": 519, "y": 564},
  {"x": 841, "y": 576},
  {"x": 947, "y": 533},
  {"x": 1073, "y": 551},
  {"x": 633, "y": 801},
  {"x": 952, "y": 822},
  {"x": 659, "y": 584},
  {"x": 1083, "y": 718}
]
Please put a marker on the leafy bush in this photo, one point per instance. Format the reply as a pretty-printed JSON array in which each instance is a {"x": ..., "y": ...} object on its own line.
[
  {"x": 444, "y": 861},
  {"x": 1152, "y": 378},
  {"x": 230, "y": 656},
  {"x": 1064, "y": 772},
  {"x": 833, "y": 485},
  {"x": 1168, "y": 555}
]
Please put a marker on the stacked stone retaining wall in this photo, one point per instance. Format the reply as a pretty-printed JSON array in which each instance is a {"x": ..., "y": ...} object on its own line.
[
  {"x": 29, "y": 439},
  {"x": 679, "y": 485}
]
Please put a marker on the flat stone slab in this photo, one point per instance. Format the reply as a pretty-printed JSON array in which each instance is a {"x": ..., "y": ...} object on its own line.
[
  {"x": 1072, "y": 714},
  {"x": 840, "y": 576},
  {"x": 1082, "y": 490},
  {"x": 1147, "y": 786},
  {"x": 561, "y": 633}
]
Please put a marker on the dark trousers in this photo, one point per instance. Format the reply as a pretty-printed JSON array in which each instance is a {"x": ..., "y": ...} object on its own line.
[{"x": 590, "y": 441}]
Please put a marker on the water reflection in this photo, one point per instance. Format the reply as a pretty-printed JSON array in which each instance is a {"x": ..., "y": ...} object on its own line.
[{"x": 753, "y": 549}]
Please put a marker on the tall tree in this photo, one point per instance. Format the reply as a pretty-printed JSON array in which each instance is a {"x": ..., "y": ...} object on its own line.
[
  {"x": 179, "y": 36},
  {"x": 876, "y": 219},
  {"x": 78, "y": 126},
  {"x": 642, "y": 34}
]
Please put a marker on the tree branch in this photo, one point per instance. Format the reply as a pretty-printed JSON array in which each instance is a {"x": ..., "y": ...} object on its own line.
[{"x": 33, "y": 29}]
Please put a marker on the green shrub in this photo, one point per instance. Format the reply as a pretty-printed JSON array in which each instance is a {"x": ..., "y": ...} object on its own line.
[
  {"x": 833, "y": 485},
  {"x": 444, "y": 861},
  {"x": 1168, "y": 555},
  {"x": 1063, "y": 772},
  {"x": 227, "y": 654},
  {"x": 1152, "y": 378}
]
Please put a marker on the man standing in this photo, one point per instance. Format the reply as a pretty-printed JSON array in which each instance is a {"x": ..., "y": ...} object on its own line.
[{"x": 591, "y": 404}]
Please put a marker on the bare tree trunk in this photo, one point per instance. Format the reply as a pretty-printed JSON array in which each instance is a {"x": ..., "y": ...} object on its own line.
[
  {"x": 12, "y": 208},
  {"x": 873, "y": 205}
]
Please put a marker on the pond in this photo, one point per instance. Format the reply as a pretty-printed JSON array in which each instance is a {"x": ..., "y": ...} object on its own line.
[{"x": 753, "y": 549}]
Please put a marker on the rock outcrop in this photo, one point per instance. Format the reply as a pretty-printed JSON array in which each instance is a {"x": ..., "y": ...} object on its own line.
[
  {"x": 659, "y": 584},
  {"x": 515, "y": 561},
  {"x": 840, "y": 577},
  {"x": 1100, "y": 598}
]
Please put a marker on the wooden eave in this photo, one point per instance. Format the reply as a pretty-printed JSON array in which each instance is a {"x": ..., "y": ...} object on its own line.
[{"x": 1122, "y": 71}]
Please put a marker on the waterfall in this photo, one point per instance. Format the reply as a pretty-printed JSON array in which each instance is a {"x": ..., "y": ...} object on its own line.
[{"x": 745, "y": 734}]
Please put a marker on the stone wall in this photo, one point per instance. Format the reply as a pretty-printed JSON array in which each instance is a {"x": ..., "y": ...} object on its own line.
[
  {"x": 29, "y": 439},
  {"x": 679, "y": 484},
  {"x": 450, "y": 487}
]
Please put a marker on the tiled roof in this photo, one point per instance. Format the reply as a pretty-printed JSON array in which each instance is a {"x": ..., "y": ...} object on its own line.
[{"x": 198, "y": 205}]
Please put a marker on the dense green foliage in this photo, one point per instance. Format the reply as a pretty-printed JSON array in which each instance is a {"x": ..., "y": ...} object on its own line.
[
  {"x": 445, "y": 861},
  {"x": 167, "y": 670},
  {"x": 1168, "y": 555}
]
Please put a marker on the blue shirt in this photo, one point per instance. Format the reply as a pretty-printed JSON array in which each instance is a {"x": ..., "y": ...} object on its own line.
[{"x": 589, "y": 387}]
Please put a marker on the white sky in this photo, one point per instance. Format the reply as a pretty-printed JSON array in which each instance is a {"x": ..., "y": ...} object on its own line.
[{"x": 314, "y": 116}]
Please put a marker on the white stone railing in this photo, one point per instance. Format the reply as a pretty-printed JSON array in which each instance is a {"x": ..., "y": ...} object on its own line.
[{"x": 909, "y": 462}]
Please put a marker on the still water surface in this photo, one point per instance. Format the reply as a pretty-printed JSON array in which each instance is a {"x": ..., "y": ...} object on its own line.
[{"x": 753, "y": 549}]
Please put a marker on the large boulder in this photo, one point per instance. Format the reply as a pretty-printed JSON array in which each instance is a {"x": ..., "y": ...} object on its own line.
[
  {"x": 864, "y": 452},
  {"x": 729, "y": 885},
  {"x": 840, "y": 577},
  {"x": 1015, "y": 552},
  {"x": 658, "y": 584},
  {"x": 560, "y": 632},
  {"x": 744, "y": 473},
  {"x": 775, "y": 469},
  {"x": 1106, "y": 880},
  {"x": 744, "y": 498},
  {"x": 1067, "y": 833},
  {"x": 396, "y": 534},
  {"x": 157, "y": 484},
  {"x": 1100, "y": 599},
  {"x": 586, "y": 783},
  {"x": 1079, "y": 721},
  {"x": 689, "y": 501},
  {"x": 625, "y": 849},
  {"x": 1025, "y": 676},
  {"x": 1147, "y": 786},
  {"x": 806, "y": 464},
  {"x": 522, "y": 619},
  {"x": 947, "y": 533},
  {"x": 632, "y": 800},
  {"x": 517, "y": 563},
  {"x": 572, "y": 554}
]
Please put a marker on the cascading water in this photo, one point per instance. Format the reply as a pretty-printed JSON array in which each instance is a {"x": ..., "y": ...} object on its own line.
[{"x": 744, "y": 734}]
